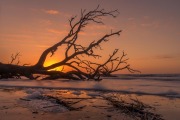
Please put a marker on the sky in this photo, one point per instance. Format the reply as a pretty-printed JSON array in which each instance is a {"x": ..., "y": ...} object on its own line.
[{"x": 150, "y": 30}]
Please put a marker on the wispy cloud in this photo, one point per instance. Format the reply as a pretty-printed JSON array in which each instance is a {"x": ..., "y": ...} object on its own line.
[
  {"x": 46, "y": 22},
  {"x": 52, "y": 12},
  {"x": 56, "y": 12},
  {"x": 150, "y": 24},
  {"x": 95, "y": 27},
  {"x": 100, "y": 27},
  {"x": 165, "y": 57},
  {"x": 146, "y": 24},
  {"x": 14, "y": 36},
  {"x": 58, "y": 32}
]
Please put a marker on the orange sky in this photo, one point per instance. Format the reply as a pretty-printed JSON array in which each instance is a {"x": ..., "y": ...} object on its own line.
[{"x": 150, "y": 36}]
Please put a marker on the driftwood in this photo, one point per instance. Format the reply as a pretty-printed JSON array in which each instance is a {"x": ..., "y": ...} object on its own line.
[{"x": 79, "y": 68}]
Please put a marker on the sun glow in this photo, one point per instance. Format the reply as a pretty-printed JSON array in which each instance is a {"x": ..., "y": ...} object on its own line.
[{"x": 50, "y": 62}]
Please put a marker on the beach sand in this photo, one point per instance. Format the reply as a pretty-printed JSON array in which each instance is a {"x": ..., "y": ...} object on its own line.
[{"x": 27, "y": 104}]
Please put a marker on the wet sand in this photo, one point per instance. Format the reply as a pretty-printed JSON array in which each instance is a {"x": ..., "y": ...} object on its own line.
[
  {"x": 22, "y": 104},
  {"x": 12, "y": 108}
]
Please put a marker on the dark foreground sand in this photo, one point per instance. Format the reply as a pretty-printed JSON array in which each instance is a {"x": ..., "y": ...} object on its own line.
[{"x": 27, "y": 104}]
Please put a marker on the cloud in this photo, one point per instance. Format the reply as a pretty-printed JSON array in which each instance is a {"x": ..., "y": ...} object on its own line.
[
  {"x": 150, "y": 24},
  {"x": 100, "y": 27},
  {"x": 95, "y": 27},
  {"x": 57, "y": 31},
  {"x": 15, "y": 36},
  {"x": 64, "y": 32},
  {"x": 165, "y": 57},
  {"x": 46, "y": 22},
  {"x": 52, "y": 12},
  {"x": 56, "y": 12},
  {"x": 146, "y": 24}
]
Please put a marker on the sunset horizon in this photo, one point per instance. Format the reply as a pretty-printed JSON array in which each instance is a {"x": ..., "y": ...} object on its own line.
[
  {"x": 89, "y": 60},
  {"x": 150, "y": 37}
]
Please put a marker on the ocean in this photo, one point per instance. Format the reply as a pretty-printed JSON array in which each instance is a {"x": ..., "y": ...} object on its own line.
[{"x": 167, "y": 85}]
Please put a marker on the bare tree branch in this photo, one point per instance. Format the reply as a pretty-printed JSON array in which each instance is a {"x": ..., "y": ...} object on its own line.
[
  {"x": 15, "y": 57},
  {"x": 79, "y": 67}
]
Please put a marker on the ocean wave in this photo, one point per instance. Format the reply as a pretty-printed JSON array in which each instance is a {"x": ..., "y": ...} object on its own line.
[
  {"x": 164, "y": 77},
  {"x": 138, "y": 85},
  {"x": 169, "y": 93}
]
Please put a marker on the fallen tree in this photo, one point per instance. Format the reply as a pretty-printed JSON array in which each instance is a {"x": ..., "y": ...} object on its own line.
[{"x": 80, "y": 68}]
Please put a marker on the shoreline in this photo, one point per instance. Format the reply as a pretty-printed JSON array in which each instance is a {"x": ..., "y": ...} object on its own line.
[
  {"x": 12, "y": 108},
  {"x": 139, "y": 87},
  {"x": 93, "y": 106}
]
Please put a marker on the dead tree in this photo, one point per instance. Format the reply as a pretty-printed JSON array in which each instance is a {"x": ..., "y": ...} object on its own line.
[{"x": 80, "y": 69}]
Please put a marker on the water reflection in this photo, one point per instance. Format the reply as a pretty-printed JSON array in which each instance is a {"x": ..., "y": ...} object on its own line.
[{"x": 164, "y": 88}]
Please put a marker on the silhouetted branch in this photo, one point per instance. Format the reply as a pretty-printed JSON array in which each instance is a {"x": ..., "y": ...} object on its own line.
[
  {"x": 14, "y": 58},
  {"x": 71, "y": 38},
  {"x": 78, "y": 68},
  {"x": 118, "y": 64}
]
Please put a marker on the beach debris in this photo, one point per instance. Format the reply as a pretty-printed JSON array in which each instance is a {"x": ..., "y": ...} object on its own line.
[
  {"x": 93, "y": 94},
  {"x": 67, "y": 104},
  {"x": 34, "y": 95},
  {"x": 36, "y": 100},
  {"x": 39, "y": 100},
  {"x": 24, "y": 99},
  {"x": 79, "y": 98},
  {"x": 134, "y": 108},
  {"x": 109, "y": 115},
  {"x": 44, "y": 105},
  {"x": 4, "y": 107},
  {"x": 35, "y": 112},
  {"x": 76, "y": 93}
]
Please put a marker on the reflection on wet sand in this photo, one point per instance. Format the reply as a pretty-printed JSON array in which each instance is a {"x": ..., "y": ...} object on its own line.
[{"x": 44, "y": 103}]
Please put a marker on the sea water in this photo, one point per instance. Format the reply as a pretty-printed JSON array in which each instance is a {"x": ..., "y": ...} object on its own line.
[{"x": 146, "y": 84}]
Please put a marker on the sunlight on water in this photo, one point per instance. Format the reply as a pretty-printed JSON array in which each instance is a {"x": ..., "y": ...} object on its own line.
[{"x": 139, "y": 85}]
